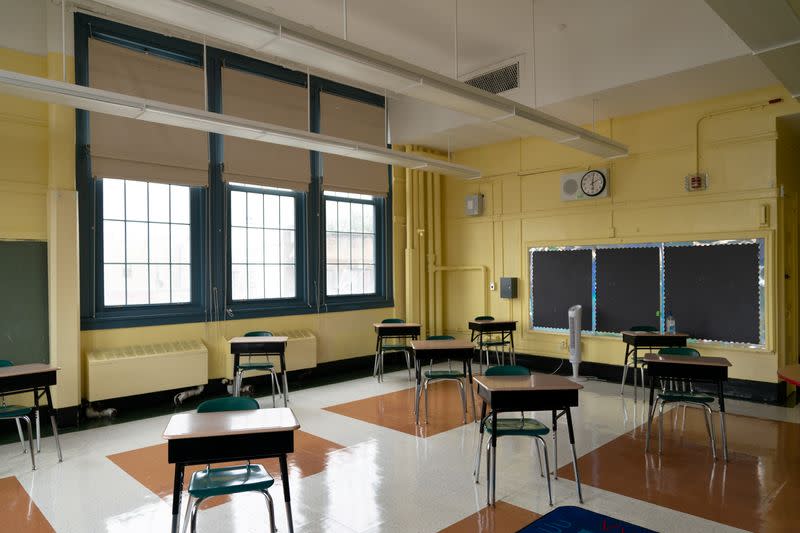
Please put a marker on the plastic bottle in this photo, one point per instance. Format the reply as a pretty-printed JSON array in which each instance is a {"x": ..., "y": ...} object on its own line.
[{"x": 669, "y": 323}]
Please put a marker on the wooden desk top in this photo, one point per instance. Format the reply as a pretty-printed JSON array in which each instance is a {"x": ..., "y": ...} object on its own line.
[
  {"x": 390, "y": 325},
  {"x": 534, "y": 382},
  {"x": 653, "y": 334},
  {"x": 21, "y": 370},
  {"x": 448, "y": 344},
  {"x": 790, "y": 374},
  {"x": 198, "y": 425},
  {"x": 681, "y": 360},
  {"x": 253, "y": 340}
]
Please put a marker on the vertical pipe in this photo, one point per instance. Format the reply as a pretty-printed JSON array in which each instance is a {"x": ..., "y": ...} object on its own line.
[
  {"x": 420, "y": 272},
  {"x": 409, "y": 256},
  {"x": 430, "y": 256},
  {"x": 437, "y": 241}
]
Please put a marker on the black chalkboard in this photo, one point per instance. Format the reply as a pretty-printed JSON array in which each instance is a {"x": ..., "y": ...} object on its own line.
[
  {"x": 559, "y": 280},
  {"x": 713, "y": 291},
  {"x": 24, "y": 325},
  {"x": 628, "y": 288}
]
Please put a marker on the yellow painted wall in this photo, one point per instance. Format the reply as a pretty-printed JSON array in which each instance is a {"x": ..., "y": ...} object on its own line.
[{"x": 647, "y": 203}]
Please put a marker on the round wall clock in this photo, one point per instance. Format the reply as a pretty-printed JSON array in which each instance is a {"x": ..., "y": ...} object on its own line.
[{"x": 593, "y": 183}]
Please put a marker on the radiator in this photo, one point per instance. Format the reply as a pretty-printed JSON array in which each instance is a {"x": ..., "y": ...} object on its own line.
[
  {"x": 118, "y": 372},
  {"x": 301, "y": 352}
]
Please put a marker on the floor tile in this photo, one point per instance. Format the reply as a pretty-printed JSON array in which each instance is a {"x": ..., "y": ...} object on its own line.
[
  {"x": 18, "y": 512},
  {"x": 500, "y": 518}
]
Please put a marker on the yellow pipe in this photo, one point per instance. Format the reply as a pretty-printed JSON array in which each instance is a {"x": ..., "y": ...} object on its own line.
[
  {"x": 430, "y": 256},
  {"x": 437, "y": 242}
]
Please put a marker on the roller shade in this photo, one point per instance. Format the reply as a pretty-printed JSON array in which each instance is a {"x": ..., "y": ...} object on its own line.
[
  {"x": 358, "y": 121},
  {"x": 131, "y": 149},
  {"x": 266, "y": 100}
]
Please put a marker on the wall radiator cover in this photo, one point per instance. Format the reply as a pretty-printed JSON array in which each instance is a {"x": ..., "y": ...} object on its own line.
[
  {"x": 301, "y": 352},
  {"x": 130, "y": 370}
]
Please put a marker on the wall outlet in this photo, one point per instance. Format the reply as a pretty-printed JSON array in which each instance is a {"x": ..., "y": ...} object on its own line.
[
  {"x": 491, "y": 285},
  {"x": 564, "y": 344}
]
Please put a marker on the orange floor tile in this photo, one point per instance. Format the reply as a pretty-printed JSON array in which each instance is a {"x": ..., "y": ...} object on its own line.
[
  {"x": 501, "y": 518},
  {"x": 17, "y": 510},
  {"x": 757, "y": 490}
]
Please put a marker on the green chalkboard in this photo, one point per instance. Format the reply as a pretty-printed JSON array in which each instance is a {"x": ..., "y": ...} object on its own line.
[{"x": 24, "y": 327}]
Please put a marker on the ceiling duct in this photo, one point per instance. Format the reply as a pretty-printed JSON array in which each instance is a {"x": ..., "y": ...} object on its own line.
[{"x": 497, "y": 79}]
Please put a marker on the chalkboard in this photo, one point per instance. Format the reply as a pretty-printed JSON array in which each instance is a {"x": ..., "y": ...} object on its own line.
[
  {"x": 559, "y": 280},
  {"x": 24, "y": 326},
  {"x": 713, "y": 291},
  {"x": 628, "y": 288}
]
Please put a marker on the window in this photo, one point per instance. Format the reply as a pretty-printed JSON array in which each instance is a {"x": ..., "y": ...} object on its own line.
[
  {"x": 146, "y": 245},
  {"x": 350, "y": 243},
  {"x": 263, "y": 243}
]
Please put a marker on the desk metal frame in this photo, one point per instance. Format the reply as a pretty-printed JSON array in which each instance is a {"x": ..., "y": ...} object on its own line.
[
  {"x": 391, "y": 330},
  {"x": 505, "y": 328},
  {"x": 424, "y": 355},
  {"x": 261, "y": 346},
  {"x": 646, "y": 339}
]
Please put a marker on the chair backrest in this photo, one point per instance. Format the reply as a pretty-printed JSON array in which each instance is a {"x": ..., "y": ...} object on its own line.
[
  {"x": 484, "y": 317},
  {"x": 644, "y": 328},
  {"x": 684, "y": 352},
  {"x": 440, "y": 338},
  {"x": 507, "y": 370},
  {"x": 6, "y": 362},
  {"x": 393, "y": 321},
  {"x": 229, "y": 403},
  {"x": 258, "y": 334}
]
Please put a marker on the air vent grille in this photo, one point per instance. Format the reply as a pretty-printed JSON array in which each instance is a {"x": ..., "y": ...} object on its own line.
[{"x": 498, "y": 80}]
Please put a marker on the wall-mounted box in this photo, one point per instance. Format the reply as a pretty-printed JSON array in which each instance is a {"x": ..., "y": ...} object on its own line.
[
  {"x": 473, "y": 205},
  {"x": 508, "y": 287}
]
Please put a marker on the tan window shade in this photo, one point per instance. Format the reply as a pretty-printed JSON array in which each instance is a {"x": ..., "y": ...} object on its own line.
[
  {"x": 357, "y": 121},
  {"x": 265, "y": 100},
  {"x": 131, "y": 149}
]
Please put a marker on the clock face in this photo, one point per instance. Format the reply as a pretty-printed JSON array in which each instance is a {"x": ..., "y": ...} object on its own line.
[{"x": 593, "y": 183}]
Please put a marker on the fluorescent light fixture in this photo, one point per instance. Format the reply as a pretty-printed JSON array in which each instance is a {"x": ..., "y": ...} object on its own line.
[
  {"x": 111, "y": 103},
  {"x": 242, "y": 24}
]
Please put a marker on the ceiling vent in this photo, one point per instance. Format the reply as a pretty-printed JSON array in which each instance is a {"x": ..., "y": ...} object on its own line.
[{"x": 497, "y": 79}]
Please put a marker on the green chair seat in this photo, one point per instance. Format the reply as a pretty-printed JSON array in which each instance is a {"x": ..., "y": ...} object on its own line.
[
  {"x": 13, "y": 411},
  {"x": 256, "y": 366},
  {"x": 443, "y": 374},
  {"x": 229, "y": 480},
  {"x": 494, "y": 343},
  {"x": 690, "y": 397},
  {"x": 526, "y": 427},
  {"x": 388, "y": 347}
]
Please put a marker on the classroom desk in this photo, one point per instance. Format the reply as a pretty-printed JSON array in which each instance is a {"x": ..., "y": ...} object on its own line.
[
  {"x": 36, "y": 378},
  {"x": 647, "y": 339},
  {"x": 392, "y": 330},
  {"x": 205, "y": 438},
  {"x": 442, "y": 350},
  {"x": 505, "y": 328},
  {"x": 790, "y": 374},
  {"x": 261, "y": 346},
  {"x": 697, "y": 369},
  {"x": 536, "y": 392}
]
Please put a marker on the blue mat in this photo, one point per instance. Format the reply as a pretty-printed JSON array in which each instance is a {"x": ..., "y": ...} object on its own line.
[{"x": 569, "y": 519}]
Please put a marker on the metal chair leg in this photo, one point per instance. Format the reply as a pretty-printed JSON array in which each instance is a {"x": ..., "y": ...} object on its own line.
[
  {"x": 271, "y": 510},
  {"x": 472, "y": 399},
  {"x": 577, "y": 472},
  {"x": 660, "y": 427},
  {"x": 539, "y": 457},
  {"x": 425, "y": 386},
  {"x": 416, "y": 402},
  {"x": 555, "y": 449},
  {"x": 710, "y": 427},
  {"x": 624, "y": 377},
  {"x": 408, "y": 363},
  {"x": 273, "y": 382},
  {"x": 21, "y": 436},
  {"x": 547, "y": 469},
  {"x": 489, "y": 472},
  {"x": 494, "y": 473},
  {"x": 30, "y": 440},
  {"x": 463, "y": 399},
  {"x": 193, "y": 519},
  {"x": 188, "y": 513},
  {"x": 38, "y": 432},
  {"x": 476, "y": 472},
  {"x": 649, "y": 424},
  {"x": 724, "y": 436}
]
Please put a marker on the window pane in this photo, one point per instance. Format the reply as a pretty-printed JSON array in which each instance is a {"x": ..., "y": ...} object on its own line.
[
  {"x": 159, "y": 284},
  {"x": 287, "y": 212},
  {"x": 181, "y": 244},
  {"x": 181, "y": 283},
  {"x": 357, "y": 279},
  {"x": 114, "y": 284},
  {"x": 357, "y": 248},
  {"x": 255, "y": 282},
  {"x": 287, "y": 281},
  {"x": 331, "y": 247},
  {"x": 238, "y": 208},
  {"x": 271, "y": 211},
  {"x": 344, "y": 247},
  {"x": 369, "y": 219},
  {"x": 287, "y": 246},
  {"x": 255, "y": 210},
  {"x": 369, "y": 279},
  {"x": 344, "y": 279},
  {"x": 136, "y": 241},
  {"x": 369, "y": 249},
  {"x": 332, "y": 280},
  {"x": 138, "y": 283},
  {"x": 159, "y": 203},
  {"x": 114, "y": 199},
  {"x": 179, "y": 204},
  {"x": 113, "y": 242},
  {"x": 272, "y": 273},
  {"x": 159, "y": 243},
  {"x": 272, "y": 246},
  {"x": 357, "y": 217},
  {"x": 255, "y": 245},
  {"x": 238, "y": 245},
  {"x": 331, "y": 212},
  {"x": 344, "y": 216},
  {"x": 135, "y": 200},
  {"x": 239, "y": 282}
]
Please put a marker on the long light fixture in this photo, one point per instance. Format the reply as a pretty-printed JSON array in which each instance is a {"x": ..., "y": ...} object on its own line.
[
  {"x": 243, "y": 25},
  {"x": 111, "y": 103}
]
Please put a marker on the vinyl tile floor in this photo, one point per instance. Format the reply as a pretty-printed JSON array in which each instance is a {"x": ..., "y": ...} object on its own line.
[{"x": 361, "y": 466}]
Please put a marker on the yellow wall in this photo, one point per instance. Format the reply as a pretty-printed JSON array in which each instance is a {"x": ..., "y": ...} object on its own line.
[{"x": 647, "y": 203}]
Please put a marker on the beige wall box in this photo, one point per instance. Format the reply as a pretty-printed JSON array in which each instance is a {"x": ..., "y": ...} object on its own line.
[
  {"x": 473, "y": 205},
  {"x": 585, "y": 185}
]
